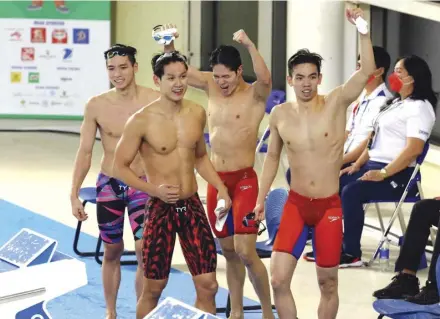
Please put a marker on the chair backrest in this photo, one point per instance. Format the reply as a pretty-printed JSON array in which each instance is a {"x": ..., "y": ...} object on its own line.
[
  {"x": 276, "y": 97},
  {"x": 422, "y": 156},
  {"x": 274, "y": 206},
  {"x": 437, "y": 271}
]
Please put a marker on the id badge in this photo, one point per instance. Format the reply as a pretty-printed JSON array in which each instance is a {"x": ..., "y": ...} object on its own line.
[{"x": 374, "y": 137}]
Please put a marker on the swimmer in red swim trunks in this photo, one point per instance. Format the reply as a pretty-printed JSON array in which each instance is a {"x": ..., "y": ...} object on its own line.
[
  {"x": 235, "y": 111},
  {"x": 312, "y": 132},
  {"x": 168, "y": 135}
]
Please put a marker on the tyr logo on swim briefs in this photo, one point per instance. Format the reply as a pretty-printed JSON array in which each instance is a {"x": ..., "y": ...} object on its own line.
[
  {"x": 181, "y": 209},
  {"x": 333, "y": 218},
  {"x": 122, "y": 187}
]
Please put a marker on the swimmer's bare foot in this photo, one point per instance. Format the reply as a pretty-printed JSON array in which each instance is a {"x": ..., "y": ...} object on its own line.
[{"x": 110, "y": 315}]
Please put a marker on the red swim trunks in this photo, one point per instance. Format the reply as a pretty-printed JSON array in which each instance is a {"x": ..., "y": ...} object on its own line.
[
  {"x": 324, "y": 216},
  {"x": 187, "y": 218},
  {"x": 243, "y": 191}
]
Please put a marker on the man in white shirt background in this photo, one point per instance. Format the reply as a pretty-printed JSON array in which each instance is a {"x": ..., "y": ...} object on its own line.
[{"x": 366, "y": 108}]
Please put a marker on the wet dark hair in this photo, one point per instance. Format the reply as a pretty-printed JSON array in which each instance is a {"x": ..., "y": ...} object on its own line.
[
  {"x": 421, "y": 73},
  {"x": 227, "y": 55},
  {"x": 159, "y": 61},
  {"x": 121, "y": 50},
  {"x": 304, "y": 56}
]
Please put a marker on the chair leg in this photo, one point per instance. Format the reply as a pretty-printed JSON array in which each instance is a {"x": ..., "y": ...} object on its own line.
[
  {"x": 401, "y": 220},
  {"x": 396, "y": 213},
  {"x": 227, "y": 310},
  {"x": 76, "y": 240},
  {"x": 379, "y": 215}
]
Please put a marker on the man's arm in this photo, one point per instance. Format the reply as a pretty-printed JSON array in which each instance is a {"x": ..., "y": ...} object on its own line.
[
  {"x": 356, "y": 153},
  {"x": 203, "y": 164},
  {"x": 84, "y": 154},
  {"x": 354, "y": 86},
  {"x": 126, "y": 151},
  {"x": 272, "y": 159},
  {"x": 196, "y": 78},
  {"x": 263, "y": 85}
]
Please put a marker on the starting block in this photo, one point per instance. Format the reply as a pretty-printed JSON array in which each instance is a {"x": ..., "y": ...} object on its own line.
[
  {"x": 171, "y": 308},
  {"x": 32, "y": 273}
]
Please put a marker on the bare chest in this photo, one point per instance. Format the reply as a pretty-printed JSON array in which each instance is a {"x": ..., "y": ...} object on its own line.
[
  {"x": 166, "y": 135},
  {"x": 313, "y": 132},
  {"x": 112, "y": 119},
  {"x": 234, "y": 113}
]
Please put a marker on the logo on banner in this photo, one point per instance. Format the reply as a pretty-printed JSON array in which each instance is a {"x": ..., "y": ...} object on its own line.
[
  {"x": 38, "y": 35},
  {"x": 59, "y": 36},
  {"x": 15, "y": 36},
  {"x": 81, "y": 36},
  {"x": 67, "y": 54},
  {"x": 27, "y": 54},
  {"x": 47, "y": 55},
  {"x": 34, "y": 77},
  {"x": 15, "y": 77},
  {"x": 65, "y": 79}
]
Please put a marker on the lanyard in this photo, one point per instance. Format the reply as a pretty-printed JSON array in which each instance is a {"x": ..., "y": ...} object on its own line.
[
  {"x": 376, "y": 127},
  {"x": 356, "y": 111}
]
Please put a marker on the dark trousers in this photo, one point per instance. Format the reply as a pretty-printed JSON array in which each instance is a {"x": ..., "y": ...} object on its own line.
[
  {"x": 355, "y": 193},
  {"x": 424, "y": 214}
]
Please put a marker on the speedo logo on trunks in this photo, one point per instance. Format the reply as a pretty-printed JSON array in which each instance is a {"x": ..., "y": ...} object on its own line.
[
  {"x": 333, "y": 218},
  {"x": 245, "y": 187}
]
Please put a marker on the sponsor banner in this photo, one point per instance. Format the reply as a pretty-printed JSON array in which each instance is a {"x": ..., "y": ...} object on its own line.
[{"x": 52, "y": 56}]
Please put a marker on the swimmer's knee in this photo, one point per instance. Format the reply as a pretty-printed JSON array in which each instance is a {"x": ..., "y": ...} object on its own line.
[
  {"x": 152, "y": 289},
  {"x": 246, "y": 251},
  {"x": 328, "y": 285},
  {"x": 206, "y": 285},
  {"x": 113, "y": 252},
  {"x": 279, "y": 283},
  {"x": 228, "y": 250}
]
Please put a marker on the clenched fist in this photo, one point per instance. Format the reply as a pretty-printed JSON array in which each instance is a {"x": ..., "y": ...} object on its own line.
[{"x": 241, "y": 37}]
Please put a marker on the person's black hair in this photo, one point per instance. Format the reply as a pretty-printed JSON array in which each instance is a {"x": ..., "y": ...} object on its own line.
[
  {"x": 159, "y": 61},
  {"x": 304, "y": 56},
  {"x": 121, "y": 50},
  {"x": 421, "y": 73},
  {"x": 226, "y": 55},
  {"x": 382, "y": 60}
]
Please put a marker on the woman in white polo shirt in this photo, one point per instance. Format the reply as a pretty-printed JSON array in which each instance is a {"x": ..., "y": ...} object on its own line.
[{"x": 399, "y": 134}]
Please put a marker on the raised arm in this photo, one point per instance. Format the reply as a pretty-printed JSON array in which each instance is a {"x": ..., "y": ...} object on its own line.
[
  {"x": 354, "y": 86},
  {"x": 263, "y": 85},
  {"x": 83, "y": 157},
  {"x": 196, "y": 78},
  {"x": 271, "y": 161},
  {"x": 125, "y": 153}
]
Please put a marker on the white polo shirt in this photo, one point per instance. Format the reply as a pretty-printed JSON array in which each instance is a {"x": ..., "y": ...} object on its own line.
[
  {"x": 365, "y": 109},
  {"x": 392, "y": 126}
]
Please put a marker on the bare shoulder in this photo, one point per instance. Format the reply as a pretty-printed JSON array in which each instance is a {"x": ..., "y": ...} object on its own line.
[
  {"x": 94, "y": 103},
  {"x": 196, "y": 109},
  {"x": 280, "y": 110},
  {"x": 148, "y": 94}
]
